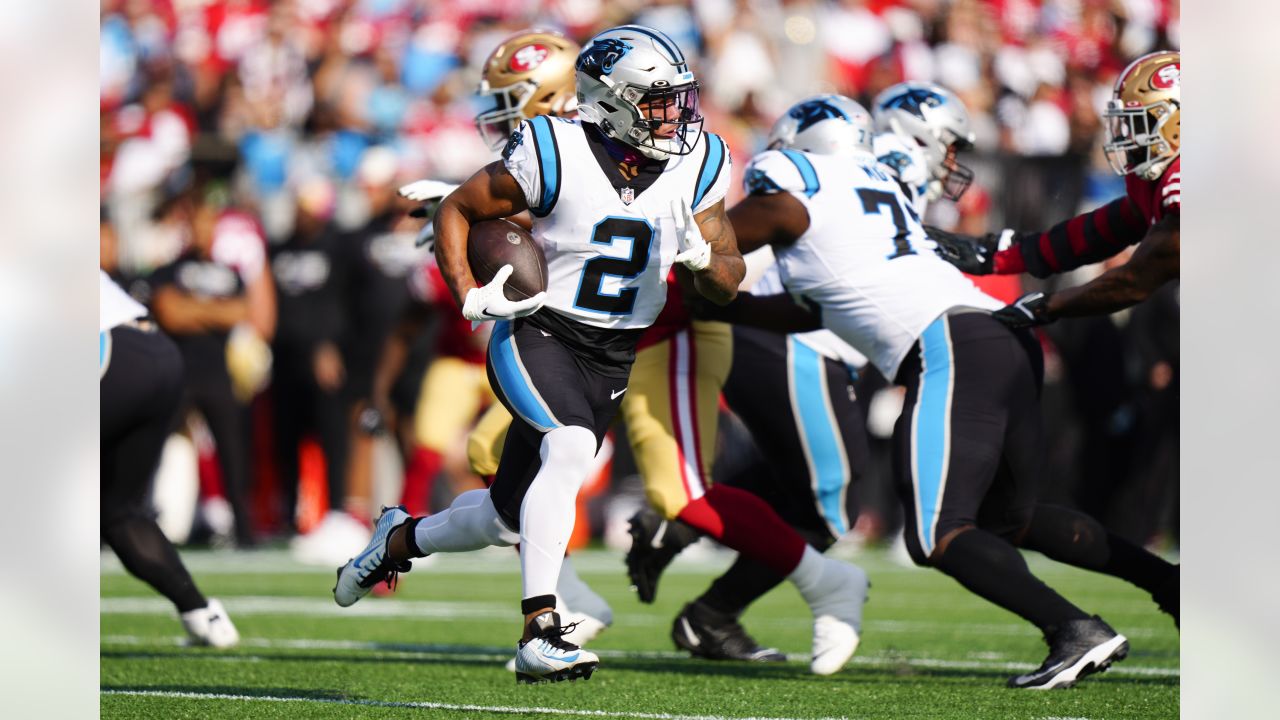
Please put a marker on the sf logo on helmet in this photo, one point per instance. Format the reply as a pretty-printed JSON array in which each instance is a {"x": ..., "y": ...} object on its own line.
[
  {"x": 528, "y": 57},
  {"x": 1169, "y": 76},
  {"x": 814, "y": 112},
  {"x": 600, "y": 57}
]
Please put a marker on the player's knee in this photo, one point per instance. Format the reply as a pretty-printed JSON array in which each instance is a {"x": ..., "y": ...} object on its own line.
[
  {"x": 570, "y": 450},
  {"x": 944, "y": 536},
  {"x": 478, "y": 510}
]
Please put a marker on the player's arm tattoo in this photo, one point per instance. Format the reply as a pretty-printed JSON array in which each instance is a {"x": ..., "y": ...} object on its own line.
[
  {"x": 719, "y": 282},
  {"x": 1154, "y": 263},
  {"x": 490, "y": 194}
]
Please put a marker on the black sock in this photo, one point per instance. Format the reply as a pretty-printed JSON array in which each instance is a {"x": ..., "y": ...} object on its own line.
[
  {"x": 536, "y": 603},
  {"x": 993, "y": 569},
  {"x": 148, "y": 555},
  {"x": 1071, "y": 537},
  {"x": 742, "y": 584}
]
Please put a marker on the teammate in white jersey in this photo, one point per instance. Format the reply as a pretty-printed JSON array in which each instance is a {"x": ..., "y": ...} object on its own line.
[
  {"x": 968, "y": 444},
  {"x": 562, "y": 369}
]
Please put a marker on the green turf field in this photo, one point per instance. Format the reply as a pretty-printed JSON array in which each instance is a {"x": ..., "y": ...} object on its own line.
[{"x": 436, "y": 649}]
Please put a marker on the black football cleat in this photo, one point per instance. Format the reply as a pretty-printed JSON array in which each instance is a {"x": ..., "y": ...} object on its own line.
[
  {"x": 1077, "y": 649},
  {"x": 655, "y": 542},
  {"x": 1168, "y": 596},
  {"x": 713, "y": 636}
]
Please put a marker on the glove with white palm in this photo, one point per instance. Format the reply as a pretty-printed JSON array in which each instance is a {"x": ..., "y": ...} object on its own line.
[
  {"x": 430, "y": 193},
  {"x": 488, "y": 302},
  {"x": 695, "y": 252}
]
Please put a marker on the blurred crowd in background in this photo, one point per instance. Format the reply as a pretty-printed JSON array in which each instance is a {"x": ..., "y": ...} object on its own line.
[{"x": 251, "y": 152}]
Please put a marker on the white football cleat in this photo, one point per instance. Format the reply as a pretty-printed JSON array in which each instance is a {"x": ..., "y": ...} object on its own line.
[
  {"x": 210, "y": 626},
  {"x": 579, "y": 630},
  {"x": 360, "y": 574},
  {"x": 834, "y": 642},
  {"x": 837, "y": 616},
  {"x": 547, "y": 657}
]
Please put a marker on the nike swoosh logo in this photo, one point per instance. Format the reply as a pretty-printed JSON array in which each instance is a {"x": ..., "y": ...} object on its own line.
[
  {"x": 689, "y": 634},
  {"x": 614, "y": 395},
  {"x": 656, "y": 543},
  {"x": 544, "y": 332},
  {"x": 569, "y": 658}
]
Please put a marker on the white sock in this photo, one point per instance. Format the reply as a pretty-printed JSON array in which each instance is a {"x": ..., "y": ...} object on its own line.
[
  {"x": 549, "y": 506},
  {"x": 470, "y": 523},
  {"x": 808, "y": 574},
  {"x": 831, "y": 587}
]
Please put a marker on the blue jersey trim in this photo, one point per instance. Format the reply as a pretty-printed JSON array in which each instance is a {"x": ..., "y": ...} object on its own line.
[
  {"x": 544, "y": 142},
  {"x": 712, "y": 164},
  {"x": 807, "y": 173}
]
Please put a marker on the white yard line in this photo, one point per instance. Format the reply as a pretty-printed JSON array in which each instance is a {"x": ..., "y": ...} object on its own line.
[
  {"x": 469, "y": 652},
  {"x": 247, "y": 605},
  {"x": 494, "y": 709}
]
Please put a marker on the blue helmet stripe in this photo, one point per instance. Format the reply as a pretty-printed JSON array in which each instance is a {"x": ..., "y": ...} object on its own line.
[
  {"x": 807, "y": 173},
  {"x": 712, "y": 163}
]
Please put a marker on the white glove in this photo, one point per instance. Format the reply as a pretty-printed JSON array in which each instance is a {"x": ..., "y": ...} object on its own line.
[
  {"x": 695, "y": 253},
  {"x": 424, "y": 190},
  {"x": 430, "y": 193},
  {"x": 489, "y": 303}
]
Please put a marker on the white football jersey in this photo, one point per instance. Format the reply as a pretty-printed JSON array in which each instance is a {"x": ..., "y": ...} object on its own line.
[
  {"x": 865, "y": 258},
  {"x": 608, "y": 250}
]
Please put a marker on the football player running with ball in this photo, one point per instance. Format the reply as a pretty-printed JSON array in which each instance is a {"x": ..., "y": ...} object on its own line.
[
  {"x": 968, "y": 443},
  {"x": 528, "y": 74},
  {"x": 559, "y": 361}
]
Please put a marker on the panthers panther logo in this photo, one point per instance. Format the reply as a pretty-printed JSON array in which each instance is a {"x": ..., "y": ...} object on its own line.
[
  {"x": 913, "y": 100},
  {"x": 814, "y": 112},
  {"x": 600, "y": 57}
]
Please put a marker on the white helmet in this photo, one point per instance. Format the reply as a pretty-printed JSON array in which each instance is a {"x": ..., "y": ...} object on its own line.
[
  {"x": 626, "y": 67},
  {"x": 824, "y": 125},
  {"x": 935, "y": 119}
]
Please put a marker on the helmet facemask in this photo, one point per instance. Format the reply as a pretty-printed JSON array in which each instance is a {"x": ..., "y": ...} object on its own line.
[
  {"x": 953, "y": 178},
  {"x": 668, "y": 119},
  {"x": 498, "y": 122},
  {"x": 1138, "y": 138}
]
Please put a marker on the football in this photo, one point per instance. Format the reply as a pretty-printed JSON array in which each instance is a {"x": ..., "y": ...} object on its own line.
[{"x": 494, "y": 243}]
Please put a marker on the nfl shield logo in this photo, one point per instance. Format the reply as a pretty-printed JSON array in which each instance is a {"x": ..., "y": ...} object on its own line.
[{"x": 627, "y": 195}]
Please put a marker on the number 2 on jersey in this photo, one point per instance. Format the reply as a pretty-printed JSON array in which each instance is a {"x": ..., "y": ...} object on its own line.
[
  {"x": 590, "y": 286},
  {"x": 871, "y": 202}
]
